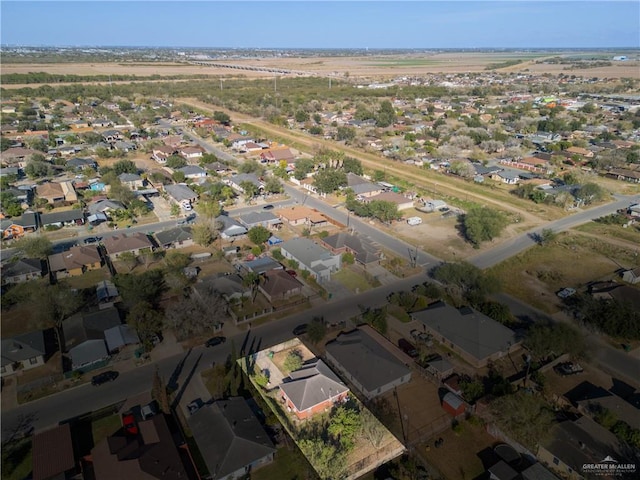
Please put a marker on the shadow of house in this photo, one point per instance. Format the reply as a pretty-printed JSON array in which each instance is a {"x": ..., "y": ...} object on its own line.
[
  {"x": 230, "y": 438},
  {"x": 589, "y": 398}
]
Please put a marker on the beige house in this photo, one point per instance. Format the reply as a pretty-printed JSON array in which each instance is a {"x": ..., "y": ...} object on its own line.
[
  {"x": 75, "y": 261},
  {"x": 119, "y": 244},
  {"x": 57, "y": 192}
]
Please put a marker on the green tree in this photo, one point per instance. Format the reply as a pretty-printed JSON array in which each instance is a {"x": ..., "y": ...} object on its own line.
[
  {"x": 464, "y": 280},
  {"x": 38, "y": 169},
  {"x": 203, "y": 234},
  {"x": 328, "y": 461},
  {"x": 352, "y": 165},
  {"x": 554, "y": 339},
  {"x": 124, "y": 166},
  {"x": 35, "y": 246},
  {"x": 251, "y": 166},
  {"x": 252, "y": 280},
  {"x": 525, "y": 417},
  {"x": 221, "y": 117},
  {"x": 259, "y": 234},
  {"x": 472, "y": 390},
  {"x": 273, "y": 185},
  {"x": 147, "y": 321},
  {"x": 497, "y": 311},
  {"x": 384, "y": 211},
  {"x": 293, "y": 361},
  {"x": 345, "y": 133},
  {"x": 276, "y": 253},
  {"x": 483, "y": 224},
  {"x": 301, "y": 116},
  {"x": 178, "y": 176},
  {"x": 175, "y": 261},
  {"x": 344, "y": 425},
  {"x": 143, "y": 287},
  {"x": 249, "y": 188},
  {"x": 5, "y": 143},
  {"x": 589, "y": 193},
  {"x": 386, "y": 115},
  {"x": 209, "y": 208},
  {"x": 329, "y": 180},
  {"x": 176, "y": 161},
  {"x": 129, "y": 259},
  {"x": 316, "y": 330},
  {"x": 303, "y": 167}
]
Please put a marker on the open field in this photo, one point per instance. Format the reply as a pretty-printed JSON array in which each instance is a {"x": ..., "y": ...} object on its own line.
[{"x": 365, "y": 66}]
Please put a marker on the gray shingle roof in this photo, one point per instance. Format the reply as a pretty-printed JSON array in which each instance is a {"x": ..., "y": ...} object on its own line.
[
  {"x": 21, "y": 267},
  {"x": 178, "y": 234},
  {"x": 312, "y": 384},
  {"x": 257, "y": 218},
  {"x": 180, "y": 192},
  {"x": 366, "y": 360},
  {"x": 229, "y": 436},
  {"x": 472, "y": 331},
  {"x": 366, "y": 252},
  {"x": 305, "y": 250},
  {"x": 23, "y": 347},
  {"x": 61, "y": 217}
]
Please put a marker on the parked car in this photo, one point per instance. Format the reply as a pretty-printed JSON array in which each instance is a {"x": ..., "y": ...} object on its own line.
[
  {"x": 301, "y": 329},
  {"x": 89, "y": 240},
  {"x": 268, "y": 207},
  {"x": 566, "y": 292},
  {"x": 129, "y": 423},
  {"x": 104, "y": 377},
  {"x": 212, "y": 342},
  {"x": 293, "y": 273},
  {"x": 568, "y": 368},
  {"x": 422, "y": 337},
  {"x": 407, "y": 347}
]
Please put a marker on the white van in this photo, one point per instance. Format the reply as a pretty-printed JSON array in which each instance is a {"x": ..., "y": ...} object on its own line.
[{"x": 414, "y": 221}]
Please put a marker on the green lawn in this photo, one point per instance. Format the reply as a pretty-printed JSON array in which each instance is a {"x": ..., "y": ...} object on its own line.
[
  {"x": 351, "y": 280},
  {"x": 289, "y": 464},
  {"x": 88, "y": 279},
  {"x": 16, "y": 459},
  {"x": 104, "y": 427}
]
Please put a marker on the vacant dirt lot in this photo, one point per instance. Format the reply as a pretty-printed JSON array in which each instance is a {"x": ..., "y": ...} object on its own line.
[{"x": 378, "y": 66}]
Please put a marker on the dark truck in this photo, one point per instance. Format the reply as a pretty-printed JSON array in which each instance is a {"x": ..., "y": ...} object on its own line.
[{"x": 407, "y": 347}]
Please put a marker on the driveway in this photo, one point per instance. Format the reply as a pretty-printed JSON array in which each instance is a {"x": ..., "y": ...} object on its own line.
[{"x": 161, "y": 208}]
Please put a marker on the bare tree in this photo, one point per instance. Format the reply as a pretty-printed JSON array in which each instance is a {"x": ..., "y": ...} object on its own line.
[{"x": 198, "y": 314}]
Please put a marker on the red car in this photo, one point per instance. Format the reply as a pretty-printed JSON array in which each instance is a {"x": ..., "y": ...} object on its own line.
[
  {"x": 292, "y": 273},
  {"x": 129, "y": 423}
]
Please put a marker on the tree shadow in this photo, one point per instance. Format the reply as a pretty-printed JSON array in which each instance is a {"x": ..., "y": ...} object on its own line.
[
  {"x": 172, "y": 384},
  {"x": 180, "y": 392}
]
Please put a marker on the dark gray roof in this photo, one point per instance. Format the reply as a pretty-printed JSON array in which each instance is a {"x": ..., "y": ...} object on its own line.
[
  {"x": 61, "y": 217},
  {"x": 106, "y": 290},
  {"x": 502, "y": 471},
  {"x": 119, "y": 336},
  {"x": 226, "y": 285},
  {"x": 312, "y": 384},
  {"x": 81, "y": 162},
  {"x": 129, "y": 177},
  {"x": 88, "y": 352},
  {"x": 229, "y": 436},
  {"x": 246, "y": 177},
  {"x": 102, "y": 205},
  {"x": 192, "y": 170},
  {"x": 22, "y": 266},
  {"x": 262, "y": 264},
  {"x": 177, "y": 234},
  {"x": 180, "y": 192},
  {"x": 366, "y": 252},
  {"x": 231, "y": 226},
  {"x": 90, "y": 326},
  {"x": 538, "y": 472},
  {"x": 360, "y": 185},
  {"x": 470, "y": 330},
  {"x": 366, "y": 360},
  {"x": 23, "y": 347}
]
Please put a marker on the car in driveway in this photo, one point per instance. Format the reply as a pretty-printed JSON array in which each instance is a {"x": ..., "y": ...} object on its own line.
[
  {"x": 104, "y": 377},
  {"x": 212, "y": 342},
  {"x": 129, "y": 423},
  {"x": 89, "y": 240},
  {"x": 301, "y": 329}
]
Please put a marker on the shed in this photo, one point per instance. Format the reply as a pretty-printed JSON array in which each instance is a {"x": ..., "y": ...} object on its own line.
[
  {"x": 453, "y": 404},
  {"x": 273, "y": 240}
]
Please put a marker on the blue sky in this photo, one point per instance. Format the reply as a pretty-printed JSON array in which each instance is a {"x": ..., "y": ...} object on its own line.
[{"x": 332, "y": 24}]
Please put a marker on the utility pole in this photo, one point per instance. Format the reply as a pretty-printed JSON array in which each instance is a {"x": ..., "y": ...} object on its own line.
[
  {"x": 275, "y": 83},
  {"x": 220, "y": 84}
]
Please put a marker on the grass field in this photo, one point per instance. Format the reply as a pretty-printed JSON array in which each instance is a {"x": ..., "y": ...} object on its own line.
[
  {"x": 289, "y": 463},
  {"x": 630, "y": 234},
  {"x": 351, "y": 280},
  {"x": 572, "y": 260}
]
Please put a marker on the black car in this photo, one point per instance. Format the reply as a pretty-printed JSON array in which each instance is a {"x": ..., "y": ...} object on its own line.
[
  {"x": 301, "y": 329},
  {"x": 104, "y": 377},
  {"x": 89, "y": 240},
  {"x": 268, "y": 207},
  {"x": 212, "y": 342}
]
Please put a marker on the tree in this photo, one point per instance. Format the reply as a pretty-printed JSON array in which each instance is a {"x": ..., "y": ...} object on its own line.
[
  {"x": 35, "y": 246},
  {"x": 178, "y": 176},
  {"x": 203, "y": 234},
  {"x": 273, "y": 185},
  {"x": 329, "y": 180},
  {"x": 371, "y": 428},
  {"x": 124, "y": 166},
  {"x": 37, "y": 169},
  {"x": 5, "y": 143},
  {"x": 384, "y": 211},
  {"x": 209, "y": 208},
  {"x": 276, "y": 253},
  {"x": 345, "y": 133},
  {"x": 386, "y": 115},
  {"x": 352, "y": 165},
  {"x": 259, "y": 234},
  {"x": 143, "y": 287},
  {"x": 554, "y": 339},
  {"x": 221, "y": 117},
  {"x": 175, "y": 161},
  {"x": 251, "y": 166},
  {"x": 293, "y": 361},
  {"x": 483, "y": 224},
  {"x": 175, "y": 261},
  {"x": 198, "y": 314},
  {"x": 472, "y": 390},
  {"x": 497, "y": 311},
  {"x": 301, "y": 116},
  {"x": 303, "y": 167},
  {"x": 316, "y": 330},
  {"x": 147, "y": 321},
  {"x": 344, "y": 425},
  {"x": 376, "y": 317},
  {"x": 328, "y": 461},
  {"x": 465, "y": 280},
  {"x": 249, "y": 188},
  {"x": 590, "y": 192},
  {"x": 547, "y": 236},
  {"x": 525, "y": 417},
  {"x": 252, "y": 280},
  {"x": 129, "y": 259}
]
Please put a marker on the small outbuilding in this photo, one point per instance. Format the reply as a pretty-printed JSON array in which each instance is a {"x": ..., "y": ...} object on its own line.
[{"x": 453, "y": 404}]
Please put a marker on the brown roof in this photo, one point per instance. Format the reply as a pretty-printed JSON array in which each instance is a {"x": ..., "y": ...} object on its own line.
[
  {"x": 50, "y": 189},
  {"x": 75, "y": 257},
  {"x": 148, "y": 456},
  {"x": 19, "y": 152},
  {"x": 278, "y": 154},
  {"x": 279, "y": 282},
  {"x": 126, "y": 243},
  {"x": 52, "y": 452},
  {"x": 292, "y": 214},
  {"x": 390, "y": 197}
]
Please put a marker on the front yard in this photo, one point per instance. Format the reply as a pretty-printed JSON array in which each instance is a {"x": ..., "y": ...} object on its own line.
[{"x": 352, "y": 281}]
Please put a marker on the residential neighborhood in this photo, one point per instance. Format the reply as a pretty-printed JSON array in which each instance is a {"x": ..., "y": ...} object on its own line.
[{"x": 404, "y": 275}]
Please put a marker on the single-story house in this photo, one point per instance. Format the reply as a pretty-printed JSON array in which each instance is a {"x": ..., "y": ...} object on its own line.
[
  {"x": 260, "y": 265},
  {"x": 278, "y": 284},
  {"x": 22, "y": 270},
  {"x": 217, "y": 167},
  {"x": 510, "y": 177},
  {"x": 180, "y": 192},
  {"x": 178, "y": 237},
  {"x": 401, "y": 201},
  {"x": 161, "y": 153},
  {"x": 60, "y": 219},
  {"x": 53, "y": 454},
  {"x": 230, "y": 438},
  {"x": 235, "y": 181},
  {"x": 230, "y": 286},
  {"x": 589, "y": 399},
  {"x": 57, "y": 192},
  {"x": 151, "y": 454},
  {"x": 231, "y": 227},
  {"x": 264, "y": 219},
  {"x": 81, "y": 163},
  {"x": 18, "y": 156},
  {"x": 318, "y": 261},
  {"x": 312, "y": 389},
  {"x": 190, "y": 152},
  {"x": 572, "y": 444},
  {"x": 193, "y": 171},
  {"x": 362, "y": 249},
  {"x": 301, "y": 215},
  {"x": 131, "y": 180},
  {"x": 104, "y": 206},
  {"x": 120, "y": 336},
  {"x": 368, "y": 361},
  {"x": 135, "y": 243},
  {"x": 474, "y": 336},
  {"x": 84, "y": 338},
  {"x": 75, "y": 261},
  {"x": 16, "y": 227},
  {"x": 24, "y": 352},
  {"x": 631, "y": 276},
  {"x": 363, "y": 187},
  {"x": 276, "y": 155}
]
